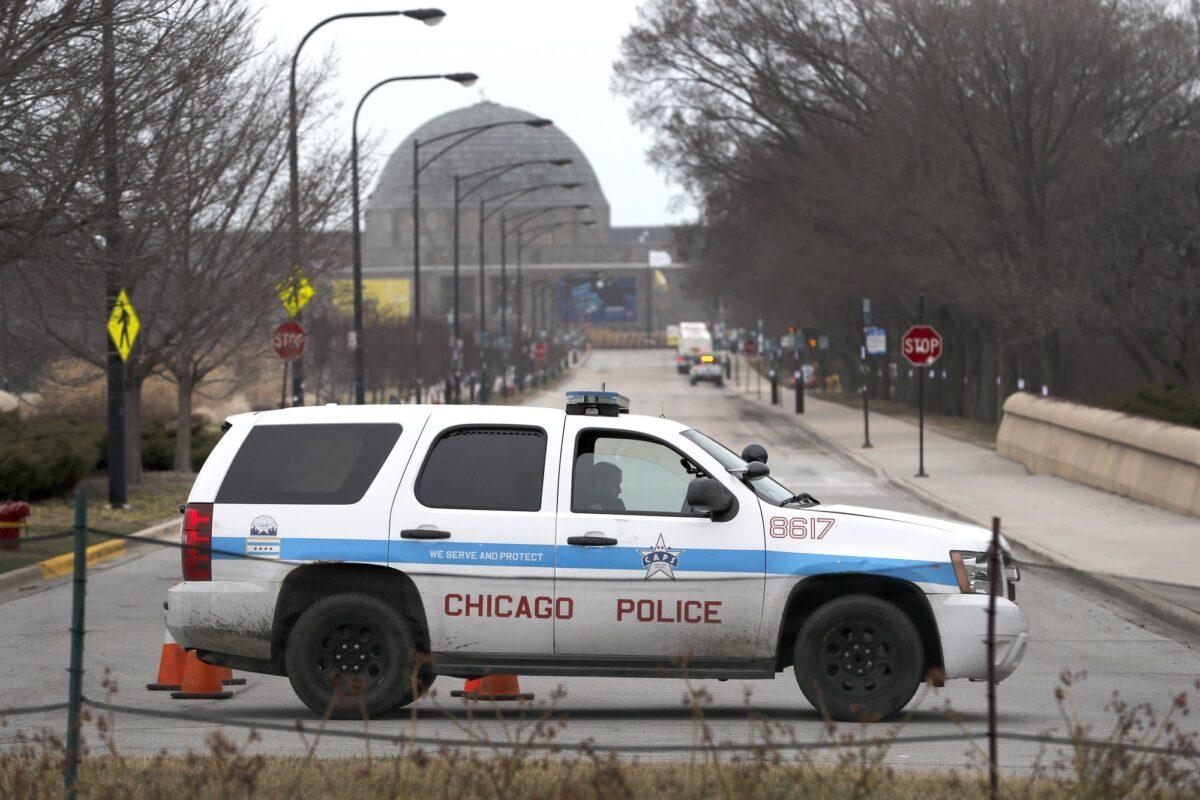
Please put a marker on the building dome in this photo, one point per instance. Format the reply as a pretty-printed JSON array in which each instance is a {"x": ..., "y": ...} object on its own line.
[{"x": 494, "y": 147}]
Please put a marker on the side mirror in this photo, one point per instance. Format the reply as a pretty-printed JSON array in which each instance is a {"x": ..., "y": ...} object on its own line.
[
  {"x": 708, "y": 495},
  {"x": 754, "y": 452},
  {"x": 756, "y": 470}
]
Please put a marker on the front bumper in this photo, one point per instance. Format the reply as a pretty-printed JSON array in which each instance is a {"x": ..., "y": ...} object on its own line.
[
  {"x": 234, "y": 617},
  {"x": 962, "y": 623}
]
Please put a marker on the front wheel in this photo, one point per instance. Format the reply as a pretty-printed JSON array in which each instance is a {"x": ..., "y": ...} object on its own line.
[
  {"x": 858, "y": 659},
  {"x": 349, "y": 655}
]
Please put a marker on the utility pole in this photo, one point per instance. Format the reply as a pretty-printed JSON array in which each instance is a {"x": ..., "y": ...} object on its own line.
[
  {"x": 866, "y": 374},
  {"x": 416, "y": 288},
  {"x": 921, "y": 399},
  {"x": 111, "y": 215}
]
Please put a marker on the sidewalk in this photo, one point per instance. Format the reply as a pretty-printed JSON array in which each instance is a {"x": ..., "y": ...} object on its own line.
[{"x": 1060, "y": 521}]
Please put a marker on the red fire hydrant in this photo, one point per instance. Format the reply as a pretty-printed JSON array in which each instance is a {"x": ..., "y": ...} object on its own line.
[{"x": 12, "y": 520}]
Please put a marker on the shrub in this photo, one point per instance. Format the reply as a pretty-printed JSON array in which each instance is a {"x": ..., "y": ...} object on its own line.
[
  {"x": 43, "y": 460},
  {"x": 204, "y": 439},
  {"x": 158, "y": 446},
  {"x": 45, "y": 457},
  {"x": 1161, "y": 401}
]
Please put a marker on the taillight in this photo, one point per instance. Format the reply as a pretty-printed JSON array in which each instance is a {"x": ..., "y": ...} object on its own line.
[{"x": 197, "y": 542}]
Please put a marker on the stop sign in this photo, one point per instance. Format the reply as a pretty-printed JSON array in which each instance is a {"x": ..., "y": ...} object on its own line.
[
  {"x": 921, "y": 345},
  {"x": 539, "y": 350},
  {"x": 289, "y": 340}
]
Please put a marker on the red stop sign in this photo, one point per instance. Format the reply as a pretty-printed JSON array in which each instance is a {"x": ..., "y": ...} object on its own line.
[
  {"x": 539, "y": 350},
  {"x": 921, "y": 345},
  {"x": 289, "y": 340}
]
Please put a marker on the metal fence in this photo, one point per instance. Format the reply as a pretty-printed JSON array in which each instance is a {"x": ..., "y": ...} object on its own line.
[{"x": 1126, "y": 744}]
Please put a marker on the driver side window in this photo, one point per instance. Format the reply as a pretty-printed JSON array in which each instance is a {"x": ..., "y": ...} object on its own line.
[{"x": 624, "y": 473}]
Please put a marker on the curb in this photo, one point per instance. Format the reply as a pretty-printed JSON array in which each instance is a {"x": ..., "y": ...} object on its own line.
[
  {"x": 34, "y": 575},
  {"x": 1124, "y": 589},
  {"x": 60, "y": 565}
]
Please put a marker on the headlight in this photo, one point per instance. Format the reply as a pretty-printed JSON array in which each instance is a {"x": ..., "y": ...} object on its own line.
[{"x": 971, "y": 569}]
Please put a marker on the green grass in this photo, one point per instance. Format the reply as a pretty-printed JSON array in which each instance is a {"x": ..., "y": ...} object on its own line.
[{"x": 155, "y": 499}]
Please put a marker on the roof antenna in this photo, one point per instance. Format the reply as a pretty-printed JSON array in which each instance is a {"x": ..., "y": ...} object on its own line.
[
  {"x": 662, "y": 409},
  {"x": 393, "y": 400}
]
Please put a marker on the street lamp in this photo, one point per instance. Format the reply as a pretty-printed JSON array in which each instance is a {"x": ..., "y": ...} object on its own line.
[
  {"x": 430, "y": 16},
  {"x": 487, "y": 175},
  {"x": 484, "y": 215},
  {"x": 456, "y": 138},
  {"x": 524, "y": 237},
  {"x": 462, "y": 79}
]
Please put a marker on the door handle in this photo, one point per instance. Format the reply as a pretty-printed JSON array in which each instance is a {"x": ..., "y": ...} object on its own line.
[
  {"x": 423, "y": 533},
  {"x": 594, "y": 539}
]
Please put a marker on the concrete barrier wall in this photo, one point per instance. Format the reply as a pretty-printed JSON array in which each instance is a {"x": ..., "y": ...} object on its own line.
[{"x": 1155, "y": 462}]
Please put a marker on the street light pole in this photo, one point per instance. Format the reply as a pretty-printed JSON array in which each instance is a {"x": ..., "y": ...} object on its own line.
[
  {"x": 463, "y": 134},
  {"x": 533, "y": 234},
  {"x": 463, "y": 79},
  {"x": 484, "y": 215},
  {"x": 496, "y": 171},
  {"x": 430, "y": 16}
]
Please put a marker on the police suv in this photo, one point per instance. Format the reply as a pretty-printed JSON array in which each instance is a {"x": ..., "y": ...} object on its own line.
[{"x": 381, "y": 546}]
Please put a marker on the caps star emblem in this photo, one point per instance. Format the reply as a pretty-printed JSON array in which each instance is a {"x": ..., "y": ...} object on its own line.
[{"x": 660, "y": 559}]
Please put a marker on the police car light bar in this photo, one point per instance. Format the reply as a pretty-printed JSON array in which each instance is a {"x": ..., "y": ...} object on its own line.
[{"x": 601, "y": 404}]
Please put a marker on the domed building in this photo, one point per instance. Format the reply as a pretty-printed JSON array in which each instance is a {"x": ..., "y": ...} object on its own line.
[{"x": 542, "y": 219}]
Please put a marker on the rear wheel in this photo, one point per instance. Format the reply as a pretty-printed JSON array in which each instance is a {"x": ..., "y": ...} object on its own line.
[
  {"x": 351, "y": 654},
  {"x": 858, "y": 658}
]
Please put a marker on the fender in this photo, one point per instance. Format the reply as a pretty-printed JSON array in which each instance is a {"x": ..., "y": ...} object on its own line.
[
  {"x": 810, "y": 593},
  {"x": 305, "y": 585}
]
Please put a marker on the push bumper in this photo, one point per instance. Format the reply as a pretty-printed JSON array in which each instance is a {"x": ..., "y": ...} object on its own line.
[
  {"x": 962, "y": 623},
  {"x": 234, "y": 617}
]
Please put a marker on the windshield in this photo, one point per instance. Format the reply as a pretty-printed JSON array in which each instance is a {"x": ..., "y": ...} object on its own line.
[{"x": 767, "y": 488}]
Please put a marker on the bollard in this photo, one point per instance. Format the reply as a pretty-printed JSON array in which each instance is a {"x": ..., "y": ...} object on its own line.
[
  {"x": 774, "y": 387},
  {"x": 799, "y": 391}
]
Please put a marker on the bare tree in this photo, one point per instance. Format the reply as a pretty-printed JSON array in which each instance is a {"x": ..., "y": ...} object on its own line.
[{"x": 1014, "y": 159}]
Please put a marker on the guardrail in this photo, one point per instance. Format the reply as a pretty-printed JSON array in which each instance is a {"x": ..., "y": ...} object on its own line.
[{"x": 1155, "y": 462}]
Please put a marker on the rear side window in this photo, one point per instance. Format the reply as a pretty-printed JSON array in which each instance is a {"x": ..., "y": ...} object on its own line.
[
  {"x": 492, "y": 468},
  {"x": 308, "y": 464}
]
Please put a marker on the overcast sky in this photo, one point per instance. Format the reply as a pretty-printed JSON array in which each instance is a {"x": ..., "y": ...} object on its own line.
[{"x": 550, "y": 57}]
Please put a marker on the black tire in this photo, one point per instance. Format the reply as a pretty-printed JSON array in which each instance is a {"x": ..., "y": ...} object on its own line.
[
  {"x": 692, "y": 381},
  {"x": 858, "y": 659},
  {"x": 349, "y": 654},
  {"x": 720, "y": 383}
]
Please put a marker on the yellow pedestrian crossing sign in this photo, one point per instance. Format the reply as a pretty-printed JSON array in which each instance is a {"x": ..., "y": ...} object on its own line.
[
  {"x": 123, "y": 325},
  {"x": 295, "y": 293}
]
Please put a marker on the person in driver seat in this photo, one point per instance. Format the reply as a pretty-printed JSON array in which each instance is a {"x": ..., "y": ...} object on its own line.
[
  {"x": 606, "y": 483},
  {"x": 598, "y": 485}
]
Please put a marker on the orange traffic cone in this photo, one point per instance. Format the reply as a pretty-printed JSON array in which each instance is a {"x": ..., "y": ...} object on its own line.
[
  {"x": 170, "y": 666},
  {"x": 492, "y": 687},
  {"x": 200, "y": 681},
  {"x": 227, "y": 677}
]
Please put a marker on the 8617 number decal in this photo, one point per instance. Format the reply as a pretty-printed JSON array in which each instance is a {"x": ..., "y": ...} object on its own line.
[{"x": 801, "y": 527}]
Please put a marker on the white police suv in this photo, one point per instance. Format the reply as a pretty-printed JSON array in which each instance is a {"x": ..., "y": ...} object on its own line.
[{"x": 395, "y": 543}]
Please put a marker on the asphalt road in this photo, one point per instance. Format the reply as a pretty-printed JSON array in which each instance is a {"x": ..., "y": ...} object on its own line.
[{"x": 1073, "y": 629}]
